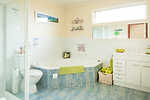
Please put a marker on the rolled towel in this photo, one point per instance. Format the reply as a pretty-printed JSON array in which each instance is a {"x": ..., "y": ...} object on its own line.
[{"x": 71, "y": 69}]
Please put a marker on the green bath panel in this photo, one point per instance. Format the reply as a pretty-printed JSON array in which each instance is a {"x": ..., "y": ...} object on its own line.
[{"x": 71, "y": 70}]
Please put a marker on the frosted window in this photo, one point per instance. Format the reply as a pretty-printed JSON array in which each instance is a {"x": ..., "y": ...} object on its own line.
[
  {"x": 102, "y": 32},
  {"x": 111, "y": 31},
  {"x": 137, "y": 12},
  {"x": 97, "y": 32}
]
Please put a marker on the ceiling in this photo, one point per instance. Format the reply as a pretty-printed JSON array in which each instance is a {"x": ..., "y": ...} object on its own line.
[
  {"x": 4, "y": 1},
  {"x": 62, "y": 2},
  {"x": 66, "y": 2}
]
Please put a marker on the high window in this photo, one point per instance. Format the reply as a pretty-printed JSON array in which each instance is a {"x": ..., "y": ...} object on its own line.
[{"x": 129, "y": 13}]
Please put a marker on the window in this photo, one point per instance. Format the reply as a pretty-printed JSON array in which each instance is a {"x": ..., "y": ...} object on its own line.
[
  {"x": 138, "y": 31},
  {"x": 110, "y": 31},
  {"x": 136, "y": 12}
]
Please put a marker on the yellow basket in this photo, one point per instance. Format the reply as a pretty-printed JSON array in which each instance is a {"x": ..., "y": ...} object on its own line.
[{"x": 120, "y": 50}]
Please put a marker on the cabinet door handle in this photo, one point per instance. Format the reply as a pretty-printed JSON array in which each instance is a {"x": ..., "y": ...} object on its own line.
[
  {"x": 146, "y": 66},
  {"x": 133, "y": 64}
]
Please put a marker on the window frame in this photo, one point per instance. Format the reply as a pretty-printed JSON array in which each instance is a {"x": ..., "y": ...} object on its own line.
[
  {"x": 146, "y": 30},
  {"x": 124, "y": 22}
]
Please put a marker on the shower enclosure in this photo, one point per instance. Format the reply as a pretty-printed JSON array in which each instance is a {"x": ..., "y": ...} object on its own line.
[{"x": 13, "y": 37}]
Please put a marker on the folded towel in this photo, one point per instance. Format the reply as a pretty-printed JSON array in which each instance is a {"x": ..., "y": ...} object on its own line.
[{"x": 71, "y": 69}]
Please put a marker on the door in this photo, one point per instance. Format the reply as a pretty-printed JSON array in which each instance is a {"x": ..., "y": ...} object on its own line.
[
  {"x": 15, "y": 40},
  {"x": 133, "y": 74},
  {"x": 145, "y": 76},
  {"x": 2, "y": 82}
]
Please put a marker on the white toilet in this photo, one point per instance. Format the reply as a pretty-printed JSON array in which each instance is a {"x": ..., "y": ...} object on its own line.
[{"x": 35, "y": 76}]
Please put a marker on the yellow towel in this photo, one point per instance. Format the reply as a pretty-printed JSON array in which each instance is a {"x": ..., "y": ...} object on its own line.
[{"x": 71, "y": 69}]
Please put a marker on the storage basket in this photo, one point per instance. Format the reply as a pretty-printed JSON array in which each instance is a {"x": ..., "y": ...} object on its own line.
[{"x": 105, "y": 78}]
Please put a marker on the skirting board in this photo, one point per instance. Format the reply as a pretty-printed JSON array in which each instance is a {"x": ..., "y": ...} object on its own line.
[{"x": 122, "y": 84}]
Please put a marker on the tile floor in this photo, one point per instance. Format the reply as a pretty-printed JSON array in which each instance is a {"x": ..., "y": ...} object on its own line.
[
  {"x": 20, "y": 95},
  {"x": 100, "y": 92}
]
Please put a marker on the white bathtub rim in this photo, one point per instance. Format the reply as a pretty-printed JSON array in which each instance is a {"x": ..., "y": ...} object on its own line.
[{"x": 55, "y": 68}]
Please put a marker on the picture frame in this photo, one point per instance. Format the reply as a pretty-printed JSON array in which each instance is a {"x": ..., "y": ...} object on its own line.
[
  {"x": 66, "y": 55},
  {"x": 45, "y": 18}
]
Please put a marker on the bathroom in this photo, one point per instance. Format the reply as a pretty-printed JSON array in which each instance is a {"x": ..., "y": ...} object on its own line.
[
  {"x": 61, "y": 43},
  {"x": 86, "y": 48}
]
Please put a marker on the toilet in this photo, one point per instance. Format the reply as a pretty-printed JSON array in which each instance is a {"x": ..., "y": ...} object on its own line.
[{"x": 35, "y": 76}]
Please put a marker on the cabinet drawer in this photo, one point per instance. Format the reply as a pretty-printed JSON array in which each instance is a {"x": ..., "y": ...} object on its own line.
[
  {"x": 120, "y": 62},
  {"x": 135, "y": 64},
  {"x": 119, "y": 71},
  {"x": 146, "y": 65},
  {"x": 118, "y": 78},
  {"x": 119, "y": 66},
  {"x": 119, "y": 74}
]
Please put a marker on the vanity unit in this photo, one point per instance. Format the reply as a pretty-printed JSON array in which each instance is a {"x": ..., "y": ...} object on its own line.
[{"x": 132, "y": 71}]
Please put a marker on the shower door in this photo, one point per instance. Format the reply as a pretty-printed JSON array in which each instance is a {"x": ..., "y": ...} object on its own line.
[
  {"x": 2, "y": 82},
  {"x": 12, "y": 49}
]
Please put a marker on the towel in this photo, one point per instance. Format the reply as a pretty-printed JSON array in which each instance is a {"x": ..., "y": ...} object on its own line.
[{"x": 71, "y": 69}]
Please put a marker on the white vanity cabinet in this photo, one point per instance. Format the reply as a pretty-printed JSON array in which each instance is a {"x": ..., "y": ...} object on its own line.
[
  {"x": 145, "y": 82},
  {"x": 119, "y": 72},
  {"x": 132, "y": 72}
]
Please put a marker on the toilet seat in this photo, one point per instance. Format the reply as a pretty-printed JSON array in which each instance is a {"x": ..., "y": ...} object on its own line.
[{"x": 35, "y": 72}]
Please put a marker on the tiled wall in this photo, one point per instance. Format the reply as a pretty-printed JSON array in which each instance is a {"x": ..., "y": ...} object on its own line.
[{"x": 86, "y": 79}]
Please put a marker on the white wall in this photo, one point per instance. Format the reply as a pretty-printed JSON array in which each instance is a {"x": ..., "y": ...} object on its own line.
[
  {"x": 55, "y": 38},
  {"x": 2, "y": 82},
  {"x": 148, "y": 2},
  {"x": 51, "y": 35},
  {"x": 96, "y": 48}
]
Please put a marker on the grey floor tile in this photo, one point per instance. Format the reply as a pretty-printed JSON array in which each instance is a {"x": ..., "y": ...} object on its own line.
[{"x": 99, "y": 92}]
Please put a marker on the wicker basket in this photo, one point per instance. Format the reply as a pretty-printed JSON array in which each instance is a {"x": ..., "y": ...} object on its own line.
[{"x": 105, "y": 78}]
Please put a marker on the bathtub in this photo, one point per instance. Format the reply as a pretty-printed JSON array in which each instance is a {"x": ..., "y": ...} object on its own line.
[
  {"x": 66, "y": 62},
  {"x": 85, "y": 79},
  {"x": 9, "y": 96}
]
